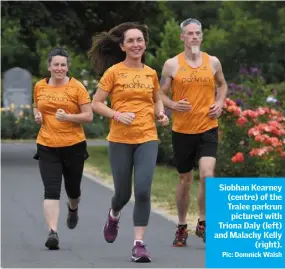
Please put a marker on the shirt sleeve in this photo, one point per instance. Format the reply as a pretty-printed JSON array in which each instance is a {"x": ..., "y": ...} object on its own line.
[
  {"x": 107, "y": 81},
  {"x": 83, "y": 96},
  {"x": 155, "y": 82}
]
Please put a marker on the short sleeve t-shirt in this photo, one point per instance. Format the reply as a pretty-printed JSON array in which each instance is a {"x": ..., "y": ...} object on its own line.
[
  {"x": 132, "y": 90},
  {"x": 48, "y": 99}
]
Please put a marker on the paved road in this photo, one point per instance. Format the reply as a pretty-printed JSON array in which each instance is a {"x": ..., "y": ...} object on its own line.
[{"x": 24, "y": 230}]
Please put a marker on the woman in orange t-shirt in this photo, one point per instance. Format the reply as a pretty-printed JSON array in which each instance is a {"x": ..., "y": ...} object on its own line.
[
  {"x": 133, "y": 142},
  {"x": 61, "y": 105}
]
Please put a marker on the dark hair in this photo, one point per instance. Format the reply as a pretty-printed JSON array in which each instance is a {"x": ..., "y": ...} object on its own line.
[
  {"x": 106, "y": 51},
  {"x": 58, "y": 52}
]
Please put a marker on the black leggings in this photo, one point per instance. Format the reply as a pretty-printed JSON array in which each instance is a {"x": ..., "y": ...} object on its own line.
[
  {"x": 142, "y": 158},
  {"x": 57, "y": 162}
]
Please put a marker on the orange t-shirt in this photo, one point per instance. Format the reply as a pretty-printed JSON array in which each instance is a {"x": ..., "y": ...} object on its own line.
[
  {"x": 131, "y": 90},
  {"x": 48, "y": 99},
  {"x": 198, "y": 86}
]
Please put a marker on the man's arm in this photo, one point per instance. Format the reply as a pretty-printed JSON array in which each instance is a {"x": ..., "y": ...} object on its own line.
[
  {"x": 222, "y": 87},
  {"x": 165, "y": 85}
]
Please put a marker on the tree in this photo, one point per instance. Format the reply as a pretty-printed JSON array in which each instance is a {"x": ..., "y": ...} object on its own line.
[
  {"x": 75, "y": 22},
  {"x": 249, "y": 34},
  {"x": 170, "y": 45}
]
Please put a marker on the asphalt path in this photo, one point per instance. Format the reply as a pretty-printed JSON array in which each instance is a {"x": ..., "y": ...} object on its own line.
[{"x": 24, "y": 231}]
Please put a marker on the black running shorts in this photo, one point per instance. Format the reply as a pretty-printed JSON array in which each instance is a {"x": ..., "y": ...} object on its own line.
[{"x": 189, "y": 148}]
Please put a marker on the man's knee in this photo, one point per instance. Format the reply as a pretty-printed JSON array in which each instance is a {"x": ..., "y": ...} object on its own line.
[
  {"x": 205, "y": 174},
  {"x": 186, "y": 178},
  {"x": 207, "y": 167}
]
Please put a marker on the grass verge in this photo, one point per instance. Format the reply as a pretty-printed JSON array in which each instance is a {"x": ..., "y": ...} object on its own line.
[{"x": 163, "y": 188}]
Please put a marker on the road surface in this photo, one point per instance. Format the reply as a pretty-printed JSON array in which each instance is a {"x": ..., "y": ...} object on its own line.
[{"x": 24, "y": 230}]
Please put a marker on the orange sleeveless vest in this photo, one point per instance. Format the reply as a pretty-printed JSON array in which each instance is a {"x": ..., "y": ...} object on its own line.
[{"x": 198, "y": 86}]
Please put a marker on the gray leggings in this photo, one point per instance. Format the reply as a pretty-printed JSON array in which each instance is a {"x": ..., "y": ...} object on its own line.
[{"x": 141, "y": 157}]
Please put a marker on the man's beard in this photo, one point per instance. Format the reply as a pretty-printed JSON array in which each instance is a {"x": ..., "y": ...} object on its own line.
[{"x": 195, "y": 49}]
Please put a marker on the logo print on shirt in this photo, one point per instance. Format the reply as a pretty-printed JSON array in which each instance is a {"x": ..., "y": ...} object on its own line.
[
  {"x": 54, "y": 97},
  {"x": 194, "y": 78},
  {"x": 138, "y": 83},
  {"x": 122, "y": 75}
]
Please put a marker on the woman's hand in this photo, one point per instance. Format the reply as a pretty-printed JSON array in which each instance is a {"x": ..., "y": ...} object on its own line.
[
  {"x": 39, "y": 118},
  {"x": 61, "y": 115},
  {"x": 162, "y": 119},
  {"x": 126, "y": 117}
]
